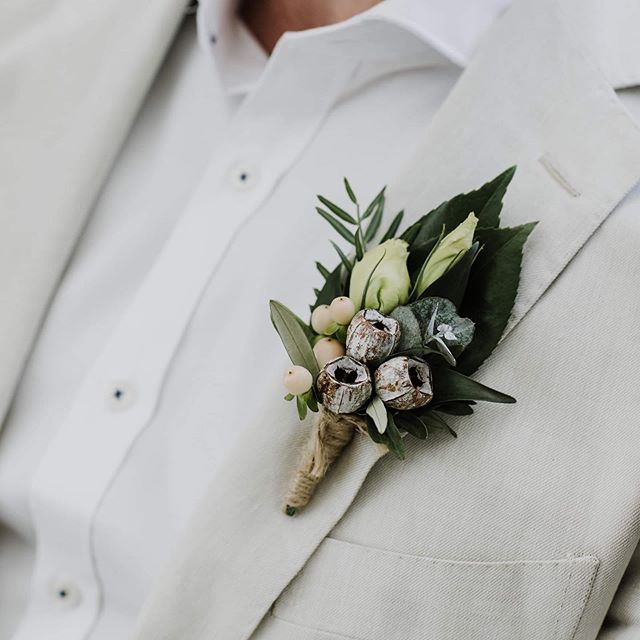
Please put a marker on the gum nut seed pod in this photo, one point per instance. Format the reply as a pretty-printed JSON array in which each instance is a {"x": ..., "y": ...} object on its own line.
[
  {"x": 372, "y": 337},
  {"x": 297, "y": 380},
  {"x": 344, "y": 385},
  {"x": 321, "y": 319},
  {"x": 342, "y": 310},
  {"x": 327, "y": 349},
  {"x": 404, "y": 383}
]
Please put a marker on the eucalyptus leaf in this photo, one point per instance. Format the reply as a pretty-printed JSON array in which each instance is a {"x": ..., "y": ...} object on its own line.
[
  {"x": 295, "y": 342},
  {"x": 336, "y": 210},
  {"x": 338, "y": 226},
  {"x": 410, "y": 331},
  {"x": 450, "y": 385},
  {"x": 492, "y": 289},
  {"x": 377, "y": 411}
]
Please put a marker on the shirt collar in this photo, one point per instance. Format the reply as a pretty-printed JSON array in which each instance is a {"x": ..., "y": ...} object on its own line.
[{"x": 442, "y": 31}]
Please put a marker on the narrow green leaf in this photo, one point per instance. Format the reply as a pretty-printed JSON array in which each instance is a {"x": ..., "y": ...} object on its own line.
[
  {"x": 450, "y": 385},
  {"x": 289, "y": 397},
  {"x": 343, "y": 258},
  {"x": 437, "y": 421},
  {"x": 378, "y": 413},
  {"x": 310, "y": 400},
  {"x": 289, "y": 328},
  {"x": 374, "y": 434},
  {"x": 393, "y": 227},
  {"x": 374, "y": 223},
  {"x": 335, "y": 209},
  {"x": 366, "y": 286},
  {"x": 338, "y": 226},
  {"x": 491, "y": 290},
  {"x": 412, "y": 424},
  {"x": 394, "y": 439},
  {"x": 455, "y": 408},
  {"x": 302, "y": 407},
  {"x": 349, "y": 190},
  {"x": 323, "y": 270},
  {"x": 374, "y": 204},
  {"x": 360, "y": 244}
]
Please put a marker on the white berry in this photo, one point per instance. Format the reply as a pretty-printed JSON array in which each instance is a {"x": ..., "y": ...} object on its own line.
[
  {"x": 297, "y": 380},
  {"x": 327, "y": 349},
  {"x": 321, "y": 319},
  {"x": 342, "y": 310}
]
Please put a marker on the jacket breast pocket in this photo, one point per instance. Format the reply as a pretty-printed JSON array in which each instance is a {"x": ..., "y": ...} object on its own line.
[{"x": 360, "y": 593}]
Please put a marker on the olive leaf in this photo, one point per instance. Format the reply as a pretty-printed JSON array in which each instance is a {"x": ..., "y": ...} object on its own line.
[
  {"x": 336, "y": 210},
  {"x": 412, "y": 424},
  {"x": 378, "y": 413},
  {"x": 295, "y": 342}
]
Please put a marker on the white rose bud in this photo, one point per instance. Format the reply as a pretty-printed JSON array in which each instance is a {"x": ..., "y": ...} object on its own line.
[
  {"x": 327, "y": 349},
  {"x": 342, "y": 310},
  {"x": 297, "y": 380},
  {"x": 321, "y": 319}
]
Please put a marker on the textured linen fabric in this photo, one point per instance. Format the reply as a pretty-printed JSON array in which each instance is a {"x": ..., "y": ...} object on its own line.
[
  {"x": 96, "y": 488},
  {"x": 536, "y": 505}
]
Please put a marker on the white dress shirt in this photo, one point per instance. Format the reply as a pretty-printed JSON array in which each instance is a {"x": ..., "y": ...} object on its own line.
[{"x": 117, "y": 427}]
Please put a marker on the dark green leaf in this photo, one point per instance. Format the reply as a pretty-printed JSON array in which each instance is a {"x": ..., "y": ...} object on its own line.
[
  {"x": 412, "y": 424},
  {"x": 492, "y": 289},
  {"x": 334, "y": 287},
  {"x": 374, "y": 434},
  {"x": 335, "y": 209},
  {"x": 374, "y": 204},
  {"x": 296, "y": 343},
  {"x": 323, "y": 270},
  {"x": 485, "y": 202},
  {"x": 374, "y": 223},
  {"x": 393, "y": 228},
  {"x": 343, "y": 258},
  {"x": 436, "y": 421},
  {"x": 338, "y": 226},
  {"x": 455, "y": 408},
  {"x": 452, "y": 386},
  {"x": 311, "y": 401},
  {"x": 349, "y": 190},
  {"x": 360, "y": 244},
  {"x": 452, "y": 284},
  {"x": 394, "y": 439}
]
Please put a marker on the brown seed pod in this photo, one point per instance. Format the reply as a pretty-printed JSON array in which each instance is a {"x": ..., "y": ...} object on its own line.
[
  {"x": 371, "y": 337},
  {"x": 404, "y": 383},
  {"x": 344, "y": 385}
]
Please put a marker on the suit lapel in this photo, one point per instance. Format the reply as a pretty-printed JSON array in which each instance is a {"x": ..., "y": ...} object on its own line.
[
  {"x": 529, "y": 97},
  {"x": 73, "y": 75}
]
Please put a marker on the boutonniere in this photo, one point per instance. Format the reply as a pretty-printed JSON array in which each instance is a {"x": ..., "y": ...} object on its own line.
[{"x": 400, "y": 325}]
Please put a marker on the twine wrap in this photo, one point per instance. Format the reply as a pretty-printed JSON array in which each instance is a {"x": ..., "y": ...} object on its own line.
[{"x": 331, "y": 433}]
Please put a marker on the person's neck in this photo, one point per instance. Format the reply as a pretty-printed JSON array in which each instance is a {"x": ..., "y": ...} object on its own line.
[{"x": 269, "y": 19}]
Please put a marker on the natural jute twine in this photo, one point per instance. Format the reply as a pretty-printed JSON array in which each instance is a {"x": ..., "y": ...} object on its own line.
[{"x": 330, "y": 435}]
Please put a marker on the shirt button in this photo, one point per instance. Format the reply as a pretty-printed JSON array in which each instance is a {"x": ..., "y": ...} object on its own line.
[
  {"x": 243, "y": 177},
  {"x": 65, "y": 593},
  {"x": 120, "y": 396}
]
